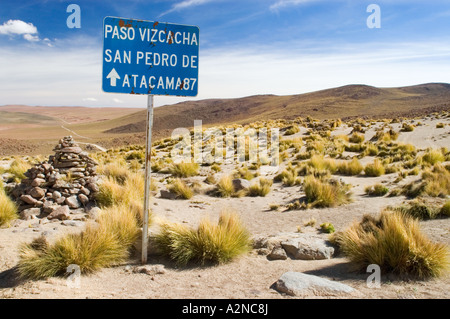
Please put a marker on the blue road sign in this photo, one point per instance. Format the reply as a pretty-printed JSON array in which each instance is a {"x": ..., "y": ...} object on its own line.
[{"x": 148, "y": 57}]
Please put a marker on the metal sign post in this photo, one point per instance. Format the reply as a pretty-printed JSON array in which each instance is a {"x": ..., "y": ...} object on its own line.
[
  {"x": 148, "y": 176},
  {"x": 151, "y": 58}
]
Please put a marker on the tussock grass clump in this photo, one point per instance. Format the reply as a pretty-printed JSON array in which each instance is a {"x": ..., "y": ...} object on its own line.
[
  {"x": 118, "y": 170},
  {"x": 111, "y": 192},
  {"x": 18, "y": 168},
  {"x": 327, "y": 228},
  {"x": 445, "y": 209},
  {"x": 181, "y": 189},
  {"x": 396, "y": 243},
  {"x": 350, "y": 168},
  {"x": 8, "y": 209},
  {"x": 184, "y": 169},
  {"x": 225, "y": 187},
  {"x": 419, "y": 209},
  {"x": 376, "y": 190},
  {"x": 375, "y": 169},
  {"x": 435, "y": 183},
  {"x": 433, "y": 156},
  {"x": 209, "y": 243},
  {"x": 289, "y": 176},
  {"x": 292, "y": 130},
  {"x": 260, "y": 188},
  {"x": 98, "y": 246},
  {"x": 356, "y": 138},
  {"x": 245, "y": 173},
  {"x": 326, "y": 193},
  {"x": 407, "y": 127}
]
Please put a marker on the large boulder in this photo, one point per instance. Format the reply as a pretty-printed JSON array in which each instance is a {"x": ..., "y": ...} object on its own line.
[
  {"x": 302, "y": 285},
  {"x": 308, "y": 247}
]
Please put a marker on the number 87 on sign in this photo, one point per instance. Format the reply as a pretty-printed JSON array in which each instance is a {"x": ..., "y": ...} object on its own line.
[{"x": 148, "y": 57}]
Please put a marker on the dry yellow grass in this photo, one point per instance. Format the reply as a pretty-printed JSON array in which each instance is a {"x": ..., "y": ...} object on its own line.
[
  {"x": 209, "y": 243},
  {"x": 396, "y": 243}
]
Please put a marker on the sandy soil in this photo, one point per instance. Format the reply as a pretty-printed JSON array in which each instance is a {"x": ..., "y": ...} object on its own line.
[{"x": 251, "y": 276}]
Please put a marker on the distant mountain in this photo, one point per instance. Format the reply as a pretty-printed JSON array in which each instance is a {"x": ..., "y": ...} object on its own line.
[{"x": 344, "y": 102}]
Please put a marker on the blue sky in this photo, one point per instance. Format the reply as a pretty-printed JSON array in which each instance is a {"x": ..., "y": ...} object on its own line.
[{"x": 247, "y": 47}]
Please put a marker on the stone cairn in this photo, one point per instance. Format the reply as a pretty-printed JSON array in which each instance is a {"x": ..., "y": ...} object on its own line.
[{"x": 66, "y": 183}]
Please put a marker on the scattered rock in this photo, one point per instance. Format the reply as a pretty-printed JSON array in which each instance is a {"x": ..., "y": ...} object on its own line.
[
  {"x": 240, "y": 183},
  {"x": 61, "y": 213},
  {"x": 277, "y": 253},
  {"x": 28, "y": 199},
  {"x": 28, "y": 213},
  {"x": 167, "y": 195},
  {"x": 73, "y": 223},
  {"x": 94, "y": 212},
  {"x": 308, "y": 247},
  {"x": 72, "y": 202},
  {"x": 300, "y": 284},
  {"x": 37, "y": 192},
  {"x": 83, "y": 199},
  {"x": 150, "y": 270}
]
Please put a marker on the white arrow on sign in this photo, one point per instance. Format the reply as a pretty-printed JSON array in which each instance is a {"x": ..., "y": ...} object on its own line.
[{"x": 113, "y": 76}]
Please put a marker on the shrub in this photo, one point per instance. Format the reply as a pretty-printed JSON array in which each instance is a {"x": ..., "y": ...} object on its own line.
[
  {"x": 435, "y": 182},
  {"x": 136, "y": 155},
  {"x": 118, "y": 170},
  {"x": 327, "y": 228},
  {"x": 375, "y": 169},
  {"x": 184, "y": 169},
  {"x": 440, "y": 125},
  {"x": 180, "y": 188},
  {"x": 407, "y": 127},
  {"x": 353, "y": 167},
  {"x": 377, "y": 190},
  {"x": 225, "y": 188},
  {"x": 208, "y": 243},
  {"x": 356, "y": 138},
  {"x": 396, "y": 243},
  {"x": 216, "y": 167},
  {"x": 110, "y": 193},
  {"x": 102, "y": 245},
  {"x": 274, "y": 206},
  {"x": 260, "y": 188},
  {"x": 325, "y": 194},
  {"x": 8, "y": 209},
  {"x": 419, "y": 209},
  {"x": 18, "y": 168},
  {"x": 433, "y": 156},
  {"x": 322, "y": 164},
  {"x": 445, "y": 209},
  {"x": 292, "y": 130}
]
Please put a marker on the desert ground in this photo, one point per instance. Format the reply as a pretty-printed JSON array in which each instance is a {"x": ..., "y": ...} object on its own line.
[{"x": 252, "y": 275}]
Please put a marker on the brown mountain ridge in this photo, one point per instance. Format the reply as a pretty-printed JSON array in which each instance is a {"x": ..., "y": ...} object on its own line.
[{"x": 344, "y": 102}]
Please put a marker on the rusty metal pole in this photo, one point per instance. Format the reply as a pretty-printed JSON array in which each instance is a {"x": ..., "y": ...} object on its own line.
[{"x": 148, "y": 173}]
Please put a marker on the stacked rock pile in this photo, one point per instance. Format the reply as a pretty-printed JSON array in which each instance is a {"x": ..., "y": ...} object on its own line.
[{"x": 65, "y": 183}]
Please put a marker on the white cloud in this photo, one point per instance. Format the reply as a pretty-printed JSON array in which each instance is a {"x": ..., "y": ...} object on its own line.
[
  {"x": 30, "y": 37},
  {"x": 17, "y": 27},
  {"x": 184, "y": 4},
  {"x": 90, "y": 99},
  {"x": 286, "y": 3},
  {"x": 116, "y": 100}
]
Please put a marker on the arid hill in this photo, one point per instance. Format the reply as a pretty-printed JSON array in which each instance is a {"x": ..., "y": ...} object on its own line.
[
  {"x": 34, "y": 129},
  {"x": 343, "y": 102}
]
